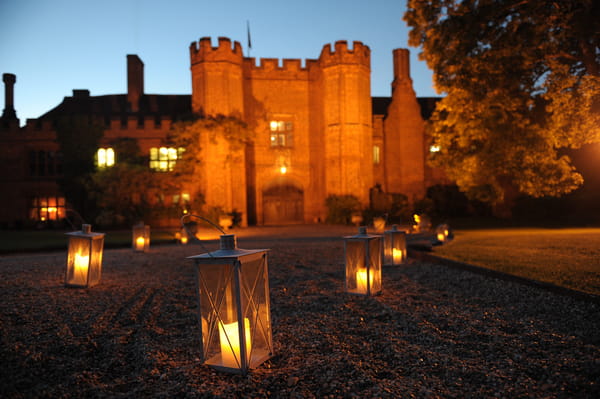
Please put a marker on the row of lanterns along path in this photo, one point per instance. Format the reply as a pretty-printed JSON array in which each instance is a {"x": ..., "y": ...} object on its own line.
[{"x": 233, "y": 287}]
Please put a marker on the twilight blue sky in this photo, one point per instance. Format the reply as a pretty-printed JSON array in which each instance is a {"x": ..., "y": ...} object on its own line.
[{"x": 55, "y": 46}]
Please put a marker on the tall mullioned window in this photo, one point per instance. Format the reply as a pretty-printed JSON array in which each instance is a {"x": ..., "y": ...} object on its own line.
[
  {"x": 105, "y": 157},
  {"x": 44, "y": 163},
  {"x": 163, "y": 159},
  {"x": 282, "y": 133},
  {"x": 376, "y": 154}
]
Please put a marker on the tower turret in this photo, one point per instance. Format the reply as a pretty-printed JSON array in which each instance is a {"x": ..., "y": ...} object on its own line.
[
  {"x": 217, "y": 77},
  {"x": 346, "y": 85},
  {"x": 217, "y": 89}
]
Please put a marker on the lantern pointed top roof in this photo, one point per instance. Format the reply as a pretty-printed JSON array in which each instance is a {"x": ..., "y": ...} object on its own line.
[
  {"x": 228, "y": 249},
  {"x": 362, "y": 233}
]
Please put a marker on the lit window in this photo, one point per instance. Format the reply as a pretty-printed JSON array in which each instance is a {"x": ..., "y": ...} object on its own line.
[
  {"x": 105, "y": 157},
  {"x": 163, "y": 159},
  {"x": 434, "y": 148},
  {"x": 376, "y": 154},
  {"x": 281, "y": 133},
  {"x": 47, "y": 208}
]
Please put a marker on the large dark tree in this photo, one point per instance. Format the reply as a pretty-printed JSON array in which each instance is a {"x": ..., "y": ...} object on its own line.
[
  {"x": 78, "y": 137},
  {"x": 521, "y": 81}
]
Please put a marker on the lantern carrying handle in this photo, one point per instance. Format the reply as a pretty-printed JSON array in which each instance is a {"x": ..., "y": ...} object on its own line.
[
  {"x": 69, "y": 221},
  {"x": 194, "y": 236}
]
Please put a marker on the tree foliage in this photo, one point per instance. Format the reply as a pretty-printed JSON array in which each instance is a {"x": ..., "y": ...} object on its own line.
[
  {"x": 78, "y": 137},
  {"x": 191, "y": 134},
  {"x": 522, "y": 81},
  {"x": 129, "y": 191}
]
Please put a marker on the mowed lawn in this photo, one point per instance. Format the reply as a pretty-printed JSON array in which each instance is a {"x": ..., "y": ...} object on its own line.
[{"x": 566, "y": 257}]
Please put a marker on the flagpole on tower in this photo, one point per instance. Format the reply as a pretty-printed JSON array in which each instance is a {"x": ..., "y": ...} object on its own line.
[{"x": 249, "y": 39}]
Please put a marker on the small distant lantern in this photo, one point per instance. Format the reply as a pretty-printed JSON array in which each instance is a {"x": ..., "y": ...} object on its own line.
[
  {"x": 379, "y": 224},
  {"x": 225, "y": 221},
  {"x": 442, "y": 233},
  {"x": 394, "y": 246},
  {"x": 84, "y": 258},
  {"x": 141, "y": 238},
  {"x": 363, "y": 263},
  {"x": 182, "y": 236},
  {"x": 234, "y": 309},
  {"x": 356, "y": 218}
]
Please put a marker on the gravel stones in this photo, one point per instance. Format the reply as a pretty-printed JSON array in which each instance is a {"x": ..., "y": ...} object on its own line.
[{"x": 434, "y": 332}]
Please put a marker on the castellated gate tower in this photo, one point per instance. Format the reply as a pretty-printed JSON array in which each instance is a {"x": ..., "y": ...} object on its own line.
[
  {"x": 217, "y": 90},
  {"x": 346, "y": 83},
  {"x": 313, "y": 131}
]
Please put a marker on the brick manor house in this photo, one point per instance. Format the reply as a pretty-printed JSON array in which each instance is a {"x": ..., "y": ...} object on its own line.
[{"x": 318, "y": 132}]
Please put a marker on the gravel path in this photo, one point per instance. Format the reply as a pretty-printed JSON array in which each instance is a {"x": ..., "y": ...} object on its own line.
[{"x": 434, "y": 332}]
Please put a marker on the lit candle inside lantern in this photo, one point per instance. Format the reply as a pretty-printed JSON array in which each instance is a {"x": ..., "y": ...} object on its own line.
[
  {"x": 80, "y": 268},
  {"x": 361, "y": 280},
  {"x": 397, "y": 255},
  {"x": 184, "y": 239},
  {"x": 139, "y": 243},
  {"x": 229, "y": 336}
]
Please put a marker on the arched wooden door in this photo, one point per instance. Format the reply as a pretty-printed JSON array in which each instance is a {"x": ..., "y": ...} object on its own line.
[{"x": 283, "y": 204}]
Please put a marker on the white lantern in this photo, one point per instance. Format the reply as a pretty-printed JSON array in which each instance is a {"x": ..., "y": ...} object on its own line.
[
  {"x": 379, "y": 224},
  {"x": 234, "y": 309},
  {"x": 140, "y": 240},
  {"x": 363, "y": 263},
  {"x": 182, "y": 237},
  {"x": 442, "y": 233},
  {"x": 84, "y": 258},
  {"x": 394, "y": 246}
]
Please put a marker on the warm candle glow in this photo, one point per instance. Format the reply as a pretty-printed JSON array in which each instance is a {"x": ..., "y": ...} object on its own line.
[
  {"x": 230, "y": 343},
  {"x": 184, "y": 239},
  {"x": 361, "y": 280},
  {"x": 139, "y": 243},
  {"x": 397, "y": 255},
  {"x": 283, "y": 170},
  {"x": 80, "y": 268}
]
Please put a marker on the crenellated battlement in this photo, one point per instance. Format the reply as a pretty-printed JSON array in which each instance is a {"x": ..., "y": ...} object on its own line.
[
  {"x": 341, "y": 54},
  {"x": 276, "y": 68},
  {"x": 203, "y": 50}
]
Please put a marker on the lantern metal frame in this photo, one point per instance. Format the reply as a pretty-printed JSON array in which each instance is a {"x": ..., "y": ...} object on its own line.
[
  {"x": 234, "y": 313},
  {"x": 140, "y": 231},
  {"x": 394, "y": 246},
  {"x": 84, "y": 258},
  {"x": 363, "y": 259}
]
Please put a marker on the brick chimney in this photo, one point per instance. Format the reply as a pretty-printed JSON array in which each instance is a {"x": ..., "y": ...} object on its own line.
[
  {"x": 135, "y": 81},
  {"x": 401, "y": 68},
  {"x": 9, "y": 80}
]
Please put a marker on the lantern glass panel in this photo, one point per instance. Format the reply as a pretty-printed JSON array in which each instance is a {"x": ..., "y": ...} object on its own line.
[
  {"x": 394, "y": 247},
  {"x": 234, "y": 311},
  {"x": 375, "y": 265},
  {"x": 255, "y": 308},
  {"x": 355, "y": 266},
  {"x": 141, "y": 238},
  {"x": 218, "y": 311},
  {"x": 84, "y": 260}
]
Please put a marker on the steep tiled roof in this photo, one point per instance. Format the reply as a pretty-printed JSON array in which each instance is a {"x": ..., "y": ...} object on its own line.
[
  {"x": 116, "y": 106},
  {"x": 380, "y": 105}
]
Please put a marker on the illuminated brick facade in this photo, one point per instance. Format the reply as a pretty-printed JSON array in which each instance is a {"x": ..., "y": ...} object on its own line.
[{"x": 317, "y": 131}]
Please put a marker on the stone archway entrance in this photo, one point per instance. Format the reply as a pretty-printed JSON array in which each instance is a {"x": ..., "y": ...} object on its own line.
[{"x": 283, "y": 204}]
